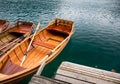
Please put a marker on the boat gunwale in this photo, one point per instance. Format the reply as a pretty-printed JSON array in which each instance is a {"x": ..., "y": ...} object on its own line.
[
  {"x": 20, "y": 35},
  {"x": 16, "y": 24},
  {"x": 34, "y": 67},
  {"x": 19, "y": 44},
  {"x": 5, "y": 24}
]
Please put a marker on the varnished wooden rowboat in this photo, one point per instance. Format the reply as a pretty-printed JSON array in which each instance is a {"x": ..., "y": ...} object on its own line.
[
  {"x": 3, "y": 25},
  {"x": 49, "y": 41},
  {"x": 16, "y": 33}
]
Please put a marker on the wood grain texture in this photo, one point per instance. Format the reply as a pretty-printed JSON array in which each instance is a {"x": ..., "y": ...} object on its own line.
[
  {"x": 75, "y": 73},
  {"x": 35, "y": 54},
  {"x": 3, "y": 25},
  {"x": 14, "y": 35}
]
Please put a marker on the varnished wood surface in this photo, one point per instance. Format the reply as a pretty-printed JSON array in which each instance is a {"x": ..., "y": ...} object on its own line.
[
  {"x": 14, "y": 35},
  {"x": 44, "y": 42},
  {"x": 3, "y": 25}
]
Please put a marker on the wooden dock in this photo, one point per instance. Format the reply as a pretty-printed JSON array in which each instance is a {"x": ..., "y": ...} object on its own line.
[
  {"x": 71, "y": 73},
  {"x": 44, "y": 80},
  {"x": 79, "y": 74}
]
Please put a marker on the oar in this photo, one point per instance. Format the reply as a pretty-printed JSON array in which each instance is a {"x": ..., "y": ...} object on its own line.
[
  {"x": 30, "y": 43},
  {"x": 16, "y": 40},
  {"x": 43, "y": 61}
]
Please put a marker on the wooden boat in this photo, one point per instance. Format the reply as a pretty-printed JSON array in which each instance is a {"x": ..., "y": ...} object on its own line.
[
  {"x": 3, "y": 25},
  {"x": 16, "y": 33},
  {"x": 49, "y": 41}
]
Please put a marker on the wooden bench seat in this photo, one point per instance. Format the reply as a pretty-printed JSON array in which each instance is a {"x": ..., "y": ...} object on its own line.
[
  {"x": 47, "y": 45},
  {"x": 59, "y": 28},
  {"x": 22, "y": 29}
]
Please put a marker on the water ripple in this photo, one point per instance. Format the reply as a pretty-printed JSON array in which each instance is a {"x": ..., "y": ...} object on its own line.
[{"x": 96, "y": 39}]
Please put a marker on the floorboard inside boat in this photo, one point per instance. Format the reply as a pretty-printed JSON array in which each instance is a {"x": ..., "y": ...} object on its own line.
[{"x": 35, "y": 56}]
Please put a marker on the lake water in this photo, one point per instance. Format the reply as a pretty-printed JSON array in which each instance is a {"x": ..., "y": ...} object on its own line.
[{"x": 96, "y": 40}]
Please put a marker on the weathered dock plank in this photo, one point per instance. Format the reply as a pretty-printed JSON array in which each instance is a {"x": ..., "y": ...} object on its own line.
[
  {"x": 79, "y": 74},
  {"x": 44, "y": 80}
]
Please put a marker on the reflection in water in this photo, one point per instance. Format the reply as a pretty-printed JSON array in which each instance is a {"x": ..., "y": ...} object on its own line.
[{"x": 96, "y": 39}]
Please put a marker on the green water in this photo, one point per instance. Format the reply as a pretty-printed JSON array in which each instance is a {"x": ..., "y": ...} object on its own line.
[{"x": 96, "y": 39}]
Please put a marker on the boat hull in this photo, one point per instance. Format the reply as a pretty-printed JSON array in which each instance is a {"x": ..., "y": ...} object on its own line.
[
  {"x": 3, "y": 25},
  {"x": 46, "y": 43},
  {"x": 14, "y": 35},
  {"x": 28, "y": 73}
]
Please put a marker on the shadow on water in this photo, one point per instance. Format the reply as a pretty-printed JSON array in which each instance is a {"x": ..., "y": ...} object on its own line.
[
  {"x": 96, "y": 39},
  {"x": 52, "y": 67}
]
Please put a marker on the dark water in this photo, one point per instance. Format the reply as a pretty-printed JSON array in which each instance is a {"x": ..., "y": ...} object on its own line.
[{"x": 96, "y": 41}]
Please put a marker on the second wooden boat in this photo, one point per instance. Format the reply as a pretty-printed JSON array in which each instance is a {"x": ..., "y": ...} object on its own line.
[
  {"x": 48, "y": 42},
  {"x": 3, "y": 25},
  {"x": 16, "y": 33}
]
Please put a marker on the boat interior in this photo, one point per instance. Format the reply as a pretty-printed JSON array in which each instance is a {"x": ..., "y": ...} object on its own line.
[
  {"x": 14, "y": 35},
  {"x": 3, "y": 25},
  {"x": 44, "y": 41},
  {"x": 23, "y": 27}
]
